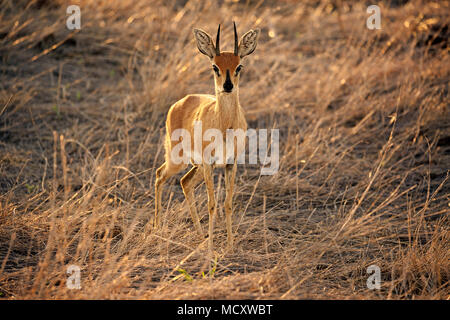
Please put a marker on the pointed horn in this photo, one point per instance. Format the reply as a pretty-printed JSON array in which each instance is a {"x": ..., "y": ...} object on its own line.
[
  {"x": 235, "y": 40},
  {"x": 218, "y": 42}
]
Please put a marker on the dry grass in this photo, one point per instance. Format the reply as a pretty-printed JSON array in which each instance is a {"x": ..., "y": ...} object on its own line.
[{"x": 364, "y": 151}]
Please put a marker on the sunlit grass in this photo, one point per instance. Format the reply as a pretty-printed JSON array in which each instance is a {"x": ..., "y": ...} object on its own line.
[{"x": 364, "y": 151}]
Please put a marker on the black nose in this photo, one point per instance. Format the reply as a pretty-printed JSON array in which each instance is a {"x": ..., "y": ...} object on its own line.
[{"x": 228, "y": 85}]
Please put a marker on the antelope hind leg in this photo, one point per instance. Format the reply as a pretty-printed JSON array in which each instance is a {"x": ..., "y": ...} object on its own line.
[{"x": 188, "y": 183}]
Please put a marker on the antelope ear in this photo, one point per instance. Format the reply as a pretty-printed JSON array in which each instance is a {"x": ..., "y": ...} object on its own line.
[
  {"x": 248, "y": 43},
  {"x": 204, "y": 43}
]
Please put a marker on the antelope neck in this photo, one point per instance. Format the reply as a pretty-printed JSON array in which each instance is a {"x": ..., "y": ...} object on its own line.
[{"x": 227, "y": 103}]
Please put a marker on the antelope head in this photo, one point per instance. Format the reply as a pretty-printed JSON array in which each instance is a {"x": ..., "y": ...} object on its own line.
[{"x": 226, "y": 65}]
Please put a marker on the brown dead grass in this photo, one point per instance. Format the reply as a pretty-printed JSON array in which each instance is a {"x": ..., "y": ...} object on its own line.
[{"x": 364, "y": 151}]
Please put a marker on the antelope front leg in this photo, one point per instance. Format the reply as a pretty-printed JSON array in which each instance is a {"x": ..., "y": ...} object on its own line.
[
  {"x": 207, "y": 174},
  {"x": 230, "y": 174}
]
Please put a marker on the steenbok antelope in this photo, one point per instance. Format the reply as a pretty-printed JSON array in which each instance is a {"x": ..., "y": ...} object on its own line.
[{"x": 221, "y": 112}]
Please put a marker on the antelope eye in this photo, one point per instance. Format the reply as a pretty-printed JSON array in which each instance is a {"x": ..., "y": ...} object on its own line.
[
  {"x": 238, "y": 69},
  {"x": 216, "y": 70}
]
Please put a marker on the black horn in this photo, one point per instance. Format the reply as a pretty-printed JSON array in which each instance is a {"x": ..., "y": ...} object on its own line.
[
  {"x": 235, "y": 40},
  {"x": 218, "y": 42}
]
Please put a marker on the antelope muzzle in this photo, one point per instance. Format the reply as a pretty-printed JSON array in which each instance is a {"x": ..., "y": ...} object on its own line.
[{"x": 228, "y": 85}]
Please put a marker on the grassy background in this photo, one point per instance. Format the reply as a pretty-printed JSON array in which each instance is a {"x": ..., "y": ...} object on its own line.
[{"x": 364, "y": 151}]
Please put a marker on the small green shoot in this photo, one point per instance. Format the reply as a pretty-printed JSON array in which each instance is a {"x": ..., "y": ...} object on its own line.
[
  {"x": 212, "y": 271},
  {"x": 56, "y": 110},
  {"x": 29, "y": 187},
  {"x": 183, "y": 273}
]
